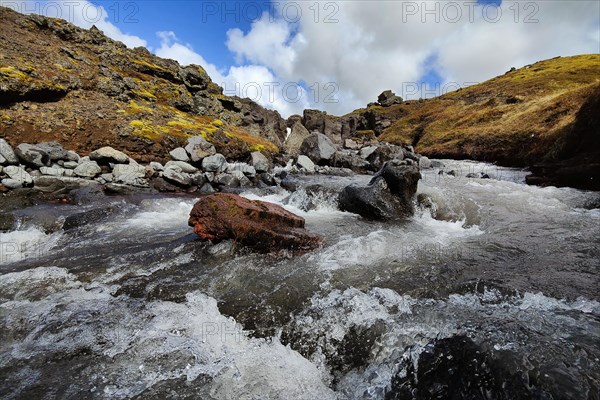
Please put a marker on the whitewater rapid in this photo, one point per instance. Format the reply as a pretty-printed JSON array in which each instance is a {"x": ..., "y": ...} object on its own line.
[{"x": 135, "y": 307}]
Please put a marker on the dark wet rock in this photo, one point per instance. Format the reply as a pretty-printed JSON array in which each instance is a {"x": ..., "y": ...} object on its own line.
[
  {"x": 32, "y": 155},
  {"x": 162, "y": 185},
  {"x": 123, "y": 189},
  {"x": 319, "y": 148},
  {"x": 389, "y": 195},
  {"x": 262, "y": 226},
  {"x": 478, "y": 175},
  {"x": 89, "y": 217},
  {"x": 7, "y": 222},
  {"x": 268, "y": 179},
  {"x": 458, "y": 368},
  {"x": 383, "y": 154},
  {"x": 351, "y": 160},
  {"x": 388, "y": 98},
  {"x": 91, "y": 194}
]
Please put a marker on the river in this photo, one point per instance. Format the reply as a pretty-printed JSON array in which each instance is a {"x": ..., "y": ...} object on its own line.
[{"x": 493, "y": 292}]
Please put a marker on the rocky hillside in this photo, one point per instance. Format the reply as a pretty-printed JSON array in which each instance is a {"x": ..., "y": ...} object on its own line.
[
  {"x": 544, "y": 116},
  {"x": 80, "y": 88}
]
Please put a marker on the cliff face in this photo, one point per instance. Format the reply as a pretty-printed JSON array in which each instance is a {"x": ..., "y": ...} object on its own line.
[{"x": 80, "y": 88}]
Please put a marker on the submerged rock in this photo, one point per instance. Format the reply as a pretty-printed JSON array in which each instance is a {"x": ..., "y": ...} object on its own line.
[
  {"x": 389, "y": 195},
  {"x": 265, "y": 227}
]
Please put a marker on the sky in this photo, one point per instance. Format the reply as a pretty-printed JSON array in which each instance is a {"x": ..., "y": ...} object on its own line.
[{"x": 337, "y": 56}]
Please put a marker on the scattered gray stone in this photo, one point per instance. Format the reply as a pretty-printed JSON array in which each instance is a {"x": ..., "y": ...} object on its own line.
[
  {"x": 107, "y": 177},
  {"x": 72, "y": 156},
  {"x": 88, "y": 169},
  {"x": 7, "y": 153},
  {"x": 207, "y": 189},
  {"x": 107, "y": 155},
  {"x": 83, "y": 159},
  {"x": 244, "y": 168},
  {"x": 351, "y": 144},
  {"x": 424, "y": 163},
  {"x": 365, "y": 152},
  {"x": 54, "y": 150},
  {"x": 32, "y": 155},
  {"x": 306, "y": 163},
  {"x": 69, "y": 172},
  {"x": 18, "y": 174},
  {"x": 214, "y": 163},
  {"x": 70, "y": 164},
  {"x": 229, "y": 180},
  {"x": 179, "y": 154},
  {"x": 183, "y": 166},
  {"x": 210, "y": 176},
  {"x": 52, "y": 171},
  {"x": 260, "y": 162},
  {"x": 12, "y": 183},
  {"x": 129, "y": 174},
  {"x": 198, "y": 148},
  {"x": 437, "y": 164},
  {"x": 157, "y": 166},
  {"x": 178, "y": 177},
  {"x": 198, "y": 179}
]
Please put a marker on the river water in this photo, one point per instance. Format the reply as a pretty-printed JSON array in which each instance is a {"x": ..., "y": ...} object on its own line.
[{"x": 493, "y": 292}]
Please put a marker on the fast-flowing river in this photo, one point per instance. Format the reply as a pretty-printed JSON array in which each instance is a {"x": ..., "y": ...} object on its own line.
[{"x": 490, "y": 293}]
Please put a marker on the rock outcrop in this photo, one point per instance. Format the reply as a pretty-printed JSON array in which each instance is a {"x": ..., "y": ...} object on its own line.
[
  {"x": 109, "y": 95},
  {"x": 263, "y": 226},
  {"x": 388, "y": 98},
  {"x": 389, "y": 195}
]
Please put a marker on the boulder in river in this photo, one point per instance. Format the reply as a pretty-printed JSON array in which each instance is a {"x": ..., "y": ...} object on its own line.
[
  {"x": 263, "y": 226},
  {"x": 389, "y": 195}
]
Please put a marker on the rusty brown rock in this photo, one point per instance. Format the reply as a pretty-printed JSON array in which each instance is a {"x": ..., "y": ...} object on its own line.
[{"x": 263, "y": 226}]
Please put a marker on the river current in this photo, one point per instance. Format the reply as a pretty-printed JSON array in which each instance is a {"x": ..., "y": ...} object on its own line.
[{"x": 490, "y": 292}]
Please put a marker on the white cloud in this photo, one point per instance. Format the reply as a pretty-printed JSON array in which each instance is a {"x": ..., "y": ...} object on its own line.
[
  {"x": 364, "y": 53},
  {"x": 81, "y": 13},
  {"x": 256, "y": 82}
]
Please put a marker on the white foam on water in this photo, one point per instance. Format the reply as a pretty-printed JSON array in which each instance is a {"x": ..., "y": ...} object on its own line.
[
  {"x": 402, "y": 326},
  {"x": 25, "y": 244},
  {"x": 160, "y": 213},
  {"x": 421, "y": 237},
  {"x": 150, "y": 342}
]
